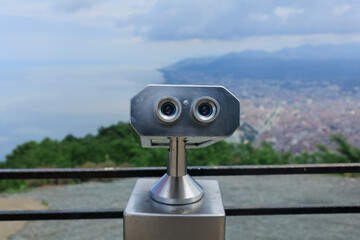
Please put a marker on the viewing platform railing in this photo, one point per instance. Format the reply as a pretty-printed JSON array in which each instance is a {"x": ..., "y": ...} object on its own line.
[{"x": 84, "y": 173}]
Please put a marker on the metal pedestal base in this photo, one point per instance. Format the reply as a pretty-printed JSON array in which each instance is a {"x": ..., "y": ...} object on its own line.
[
  {"x": 176, "y": 190},
  {"x": 147, "y": 219}
]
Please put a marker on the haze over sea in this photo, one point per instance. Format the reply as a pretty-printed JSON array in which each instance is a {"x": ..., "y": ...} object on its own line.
[
  {"x": 71, "y": 66},
  {"x": 53, "y": 100}
]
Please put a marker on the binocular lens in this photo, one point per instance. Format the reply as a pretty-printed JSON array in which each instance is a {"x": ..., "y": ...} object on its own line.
[
  {"x": 168, "y": 109},
  {"x": 205, "y": 109}
]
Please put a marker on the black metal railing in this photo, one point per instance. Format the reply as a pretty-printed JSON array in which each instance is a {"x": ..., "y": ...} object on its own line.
[{"x": 83, "y": 173}]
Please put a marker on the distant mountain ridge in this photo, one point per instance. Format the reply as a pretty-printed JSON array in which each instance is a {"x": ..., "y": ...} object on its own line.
[
  {"x": 334, "y": 63},
  {"x": 321, "y": 52}
]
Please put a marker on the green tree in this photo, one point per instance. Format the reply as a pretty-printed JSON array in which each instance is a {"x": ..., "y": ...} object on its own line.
[{"x": 119, "y": 145}]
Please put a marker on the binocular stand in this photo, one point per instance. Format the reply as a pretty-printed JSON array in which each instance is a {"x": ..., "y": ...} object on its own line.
[{"x": 176, "y": 206}]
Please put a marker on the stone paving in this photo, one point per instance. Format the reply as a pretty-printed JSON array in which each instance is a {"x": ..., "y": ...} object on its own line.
[{"x": 238, "y": 191}]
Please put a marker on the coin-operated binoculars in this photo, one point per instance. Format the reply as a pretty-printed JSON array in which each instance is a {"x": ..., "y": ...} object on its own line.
[{"x": 176, "y": 206}]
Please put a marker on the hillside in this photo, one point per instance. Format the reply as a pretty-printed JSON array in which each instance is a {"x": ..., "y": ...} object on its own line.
[
  {"x": 333, "y": 64},
  {"x": 119, "y": 145}
]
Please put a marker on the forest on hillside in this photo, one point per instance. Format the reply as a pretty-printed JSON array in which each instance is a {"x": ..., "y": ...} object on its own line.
[{"x": 119, "y": 146}]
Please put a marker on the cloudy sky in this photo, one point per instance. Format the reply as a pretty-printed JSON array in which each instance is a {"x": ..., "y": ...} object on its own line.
[{"x": 70, "y": 66}]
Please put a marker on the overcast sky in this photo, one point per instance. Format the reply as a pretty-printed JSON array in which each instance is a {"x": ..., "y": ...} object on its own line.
[
  {"x": 144, "y": 31},
  {"x": 72, "y": 65}
]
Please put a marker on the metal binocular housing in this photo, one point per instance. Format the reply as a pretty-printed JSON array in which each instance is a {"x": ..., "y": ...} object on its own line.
[
  {"x": 178, "y": 117},
  {"x": 201, "y": 115}
]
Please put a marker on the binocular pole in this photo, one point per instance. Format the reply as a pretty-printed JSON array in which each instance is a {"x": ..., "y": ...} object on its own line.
[{"x": 176, "y": 187}]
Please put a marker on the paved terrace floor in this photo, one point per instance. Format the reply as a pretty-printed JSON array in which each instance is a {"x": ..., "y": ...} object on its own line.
[{"x": 241, "y": 191}]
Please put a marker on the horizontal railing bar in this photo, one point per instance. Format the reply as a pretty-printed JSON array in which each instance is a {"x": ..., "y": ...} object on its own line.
[
  {"x": 275, "y": 169},
  {"x": 66, "y": 214},
  {"x": 294, "y": 210},
  {"x": 62, "y": 173},
  {"x": 77, "y": 214}
]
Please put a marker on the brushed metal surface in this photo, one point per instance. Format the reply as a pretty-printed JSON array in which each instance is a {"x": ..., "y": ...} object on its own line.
[
  {"x": 176, "y": 186},
  {"x": 147, "y": 219},
  {"x": 177, "y": 158},
  {"x": 176, "y": 190},
  {"x": 154, "y": 132}
]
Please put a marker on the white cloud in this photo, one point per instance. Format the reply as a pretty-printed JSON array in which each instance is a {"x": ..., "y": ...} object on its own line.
[
  {"x": 100, "y": 13},
  {"x": 285, "y": 12},
  {"x": 340, "y": 10},
  {"x": 184, "y": 19}
]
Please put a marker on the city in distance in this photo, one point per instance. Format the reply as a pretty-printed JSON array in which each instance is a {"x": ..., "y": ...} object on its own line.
[{"x": 294, "y": 98}]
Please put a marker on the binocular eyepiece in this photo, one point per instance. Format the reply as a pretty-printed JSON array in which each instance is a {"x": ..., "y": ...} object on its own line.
[
  {"x": 168, "y": 109},
  {"x": 204, "y": 110}
]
